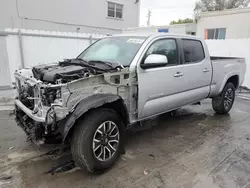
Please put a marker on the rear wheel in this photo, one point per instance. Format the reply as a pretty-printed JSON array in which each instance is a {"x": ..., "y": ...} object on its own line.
[
  {"x": 97, "y": 140},
  {"x": 223, "y": 103}
]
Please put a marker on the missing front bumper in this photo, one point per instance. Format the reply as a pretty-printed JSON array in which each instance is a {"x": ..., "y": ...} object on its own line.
[
  {"x": 40, "y": 129},
  {"x": 33, "y": 129},
  {"x": 29, "y": 112},
  {"x": 36, "y": 131}
]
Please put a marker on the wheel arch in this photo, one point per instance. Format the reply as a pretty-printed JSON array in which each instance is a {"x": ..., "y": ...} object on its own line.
[
  {"x": 234, "y": 79},
  {"x": 110, "y": 101}
]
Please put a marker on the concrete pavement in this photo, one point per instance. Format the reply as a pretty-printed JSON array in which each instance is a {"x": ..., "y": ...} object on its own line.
[{"x": 195, "y": 148}]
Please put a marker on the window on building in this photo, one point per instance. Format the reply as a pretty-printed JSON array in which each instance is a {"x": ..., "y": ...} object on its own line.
[
  {"x": 115, "y": 10},
  {"x": 218, "y": 33},
  {"x": 193, "y": 51}
]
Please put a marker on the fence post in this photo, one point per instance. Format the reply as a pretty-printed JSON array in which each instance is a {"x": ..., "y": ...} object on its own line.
[
  {"x": 5, "y": 73},
  {"x": 21, "y": 48},
  {"x": 90, "y": 39}
]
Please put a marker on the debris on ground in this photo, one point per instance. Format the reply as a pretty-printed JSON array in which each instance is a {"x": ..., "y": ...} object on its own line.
[
  {"x": 151, "y": 155},
  {"x": 5, "y": 178},
  {"x": 11, "y": 148},
  {"x": 123, "y": 159},
  {"x": 66, "y": 166},
  {"x": 58, "y": 150},
  {"x": 146, "y": 172}
]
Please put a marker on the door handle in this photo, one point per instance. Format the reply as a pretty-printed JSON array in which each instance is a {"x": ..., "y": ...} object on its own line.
[
  {"x": 178, "y": 74},
  {"x": 206, "y": 70}
]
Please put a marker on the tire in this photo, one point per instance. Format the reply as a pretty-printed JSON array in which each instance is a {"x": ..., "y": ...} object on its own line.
[
  {"x": 221, "y": 104},
  {"x": 83, "y": 144}
]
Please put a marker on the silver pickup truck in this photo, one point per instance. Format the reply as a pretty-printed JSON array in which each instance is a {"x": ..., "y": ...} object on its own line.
[{"x": 88, "y": 101}]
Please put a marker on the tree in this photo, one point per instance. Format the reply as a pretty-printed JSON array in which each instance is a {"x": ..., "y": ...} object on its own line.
[
  {"x": 212, "y": 5},
  {"x": 180, "y": 21}
]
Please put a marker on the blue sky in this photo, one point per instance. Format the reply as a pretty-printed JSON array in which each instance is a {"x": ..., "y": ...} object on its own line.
[{"x": 164, "y": 11}]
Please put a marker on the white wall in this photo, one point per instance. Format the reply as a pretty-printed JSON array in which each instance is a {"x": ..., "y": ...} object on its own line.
[
  {"x": 178, "y": 30},
  {"x": 236, "y": 22},
  {"x": 67, "y": 15},
  {"x": 46, "y": 47},
  {"x": 232, "y": 48},
  {"x": 42, "y": 47}
]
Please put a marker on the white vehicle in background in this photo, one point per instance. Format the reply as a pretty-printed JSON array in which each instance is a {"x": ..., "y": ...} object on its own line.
[{"x": 118, "y": 81}]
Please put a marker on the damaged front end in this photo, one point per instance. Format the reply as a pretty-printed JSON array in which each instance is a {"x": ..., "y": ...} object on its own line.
[
  {"x": 38, "y": 106},
  {"x": 46, "y": 95}
]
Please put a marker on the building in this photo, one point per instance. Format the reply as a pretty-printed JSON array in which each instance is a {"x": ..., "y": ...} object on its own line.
[
  {"x": 189, "y": 29},
  {"x": 226, "y": 24},
  {"x": 91, "y": 16}
]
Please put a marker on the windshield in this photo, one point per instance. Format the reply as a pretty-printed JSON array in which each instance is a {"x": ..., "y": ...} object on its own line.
[{"x": 119, "y": 50}]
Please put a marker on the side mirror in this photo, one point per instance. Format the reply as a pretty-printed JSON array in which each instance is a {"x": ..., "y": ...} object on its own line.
[{"x": 154, "y": 60}]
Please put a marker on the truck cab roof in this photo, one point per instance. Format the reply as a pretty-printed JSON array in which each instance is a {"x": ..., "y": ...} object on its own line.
[{"x": 155, "y": 35}]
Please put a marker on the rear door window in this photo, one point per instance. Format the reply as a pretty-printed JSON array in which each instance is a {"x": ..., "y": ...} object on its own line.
[{"x": 193, "y": 51}]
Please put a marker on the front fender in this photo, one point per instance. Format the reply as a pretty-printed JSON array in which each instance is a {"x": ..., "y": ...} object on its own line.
[{"x": 94, "y": 101}]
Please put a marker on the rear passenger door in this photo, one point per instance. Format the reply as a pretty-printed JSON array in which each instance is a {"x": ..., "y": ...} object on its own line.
[{"x": 196, "y": 69}]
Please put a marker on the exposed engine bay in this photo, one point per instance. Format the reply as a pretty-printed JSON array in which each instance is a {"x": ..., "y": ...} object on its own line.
[
  {"x": 50, "y": 78},
  {"x": 64, "y": 72}
]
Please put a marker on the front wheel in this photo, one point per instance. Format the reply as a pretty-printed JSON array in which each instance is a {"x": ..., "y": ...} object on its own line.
[
  {"x": 97, "y": 140},
  {"x": 223, "y": 103}
]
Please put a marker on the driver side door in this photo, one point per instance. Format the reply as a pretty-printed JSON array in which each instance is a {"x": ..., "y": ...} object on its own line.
[{"x": 159, "y": 88}]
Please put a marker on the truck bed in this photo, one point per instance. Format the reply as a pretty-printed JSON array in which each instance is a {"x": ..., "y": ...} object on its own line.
[{"x": 223, "y": 68}]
